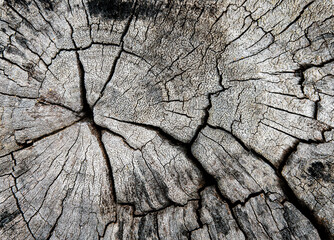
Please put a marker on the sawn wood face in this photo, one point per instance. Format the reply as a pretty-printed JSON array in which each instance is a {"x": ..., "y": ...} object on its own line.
[{"x": 165, "y": 119}]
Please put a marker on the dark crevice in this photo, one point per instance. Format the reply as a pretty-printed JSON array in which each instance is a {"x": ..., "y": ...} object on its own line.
[
  {"x": 145, "y": 213},
  {"x": 252, "y": 195},
  {"x": 231, "y": 206},
  {"x": 13, "y": 158},
  {"x": 316, "y": 110},
  {"x": 20, "y": 210},
  {"x": 121, "y": 43},
  {"x": 288, "y": 152},
  {"x": 157, "y": 225},
  {"x": 57, "y": 219},
  {"x": 209, "y": 179},
  {"x": 199, "y": 208},
  {"x": 97, "y": 132},
  {"x": 86, "y": 109},
  {"x": 300, "y": 73},
  {"x": 172, "y": 140},
  {"x": 30, "y": 142},
  {"x": 205, "y": 118},
  {"x": 301, "y": 70},
  {"x": 288, "y": 192},
  {"x": 118, "y": 135},
  {"x": 111, "y": 74},
  {"x": 297, "y": 18},
  {"x": 324, "y": 233},
  {"x": 95, "y": 129}
]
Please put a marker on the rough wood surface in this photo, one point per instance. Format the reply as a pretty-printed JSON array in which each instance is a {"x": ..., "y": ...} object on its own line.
[{"x": 142, "y": 119}]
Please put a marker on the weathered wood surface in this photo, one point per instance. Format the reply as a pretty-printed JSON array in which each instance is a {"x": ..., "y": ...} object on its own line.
[{"x": 163, "y": 119}]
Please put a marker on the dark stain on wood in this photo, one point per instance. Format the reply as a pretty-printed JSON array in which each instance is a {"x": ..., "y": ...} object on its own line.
[
  {"x": 121, "y": 10},
  {"x": 46, "y": 4},
  {"x": 318, "y": 170},
  {"x": 7, "y": 217}
]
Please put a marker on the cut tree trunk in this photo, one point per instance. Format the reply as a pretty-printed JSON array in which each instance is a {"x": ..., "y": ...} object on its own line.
[{"x": 166, "y": 119}]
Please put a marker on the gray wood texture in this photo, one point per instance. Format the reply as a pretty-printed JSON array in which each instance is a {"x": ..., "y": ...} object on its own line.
[{"x": 142, "y": 119}]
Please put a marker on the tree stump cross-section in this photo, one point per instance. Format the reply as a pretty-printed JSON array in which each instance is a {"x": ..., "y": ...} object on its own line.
[{"x": 142, "y": 119}]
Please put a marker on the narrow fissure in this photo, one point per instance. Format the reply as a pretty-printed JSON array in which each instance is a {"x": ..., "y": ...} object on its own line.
[
  {"x": 19, "y": 207},
  {"x": 29, "y": 143},
  {"x": 121, "y": 43},
  {"x": 199, "y": 208},
  {"x": 15, "y": 197},
  {"x": 323, "y": 232},
  {"x": 111, "y": 74},
  {"x": 231, "y": 206},
  {"x": 316, "y": 109},
  {"x": 209, "y": 179},
  {"x": 301, "y": 70},
  {"x": 288, "y": 192},
  {"x": 96, "y": 130},
  {"x": 57, "y": 219}
]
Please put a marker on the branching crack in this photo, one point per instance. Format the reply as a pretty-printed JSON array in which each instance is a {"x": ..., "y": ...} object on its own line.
[
  {"x": 19, "y": 207},
  {"x": 288, "y": 192},
  {"x": 95, "y": 129},
  {"x": 301, "y": 70},
  {"x": 297, "y": 18},
  {"x": 111, "y": 74},
  {"x": 86, "y": 113}
]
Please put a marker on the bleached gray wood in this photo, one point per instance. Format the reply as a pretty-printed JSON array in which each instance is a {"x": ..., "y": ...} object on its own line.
[
  {"x": 263, "y": 217},
  {"x": 169, "y": 223},
  {"x": 217, "y": 216},
  {"x": 309, "y": 172},
  {"x": 142, "y": 119},
  {"x": 24, "y": 120},
  {"x": 237, "y": 171},
  {"x": 62, "y": 185},
  {"x": 152, "y": 176}
]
